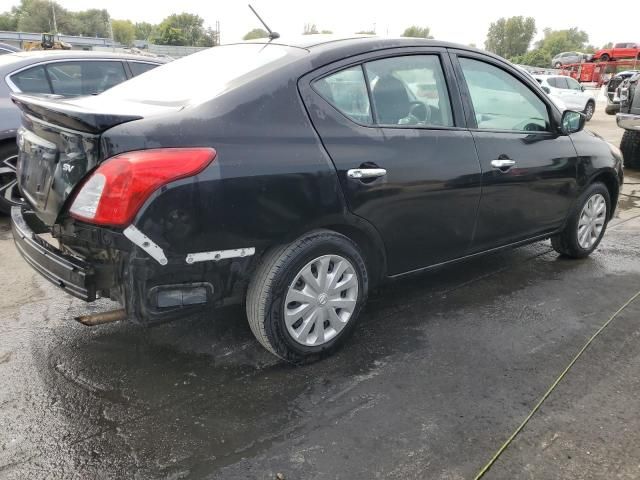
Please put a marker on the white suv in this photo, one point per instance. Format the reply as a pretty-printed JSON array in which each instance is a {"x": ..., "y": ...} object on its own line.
[{"x": 570, "y": 92}]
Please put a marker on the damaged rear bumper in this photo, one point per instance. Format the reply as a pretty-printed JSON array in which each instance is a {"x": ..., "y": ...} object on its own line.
[{"x": 67, "y": 272}]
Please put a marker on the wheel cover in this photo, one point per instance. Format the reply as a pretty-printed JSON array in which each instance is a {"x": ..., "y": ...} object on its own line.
[
  {"x": 321, "y": 300},
  {"x": 592, "y": 220},
  {"x": 589, "y": 111},
  {"x": 9, "y": 192}
]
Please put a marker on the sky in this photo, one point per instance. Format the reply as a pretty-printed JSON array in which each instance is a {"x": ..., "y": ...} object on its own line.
[{"x": 461, "y": 21}]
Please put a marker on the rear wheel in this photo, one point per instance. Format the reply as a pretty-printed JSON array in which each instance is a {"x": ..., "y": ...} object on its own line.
[
  {"x": 605, "y": 58},
  {"x": 304, "y": 298},
  {"x": 589, "y": 110},
  {"x": 558, "y": 65},
  {"x": 9, "y": 193},
  {"x": 630, "y": 148},
  {"x": 586, "y": 225}
]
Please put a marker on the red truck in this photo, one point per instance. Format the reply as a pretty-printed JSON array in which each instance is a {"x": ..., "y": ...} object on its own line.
[{"x": 619, "y": 50}]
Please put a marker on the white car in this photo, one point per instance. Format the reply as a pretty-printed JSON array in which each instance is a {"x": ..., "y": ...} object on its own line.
[{"x": 572, "y": 94}]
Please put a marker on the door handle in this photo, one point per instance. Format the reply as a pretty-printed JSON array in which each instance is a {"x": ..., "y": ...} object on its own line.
[
  {"x": 360, "y": 173},
  {"x": 503, "y": 164}
]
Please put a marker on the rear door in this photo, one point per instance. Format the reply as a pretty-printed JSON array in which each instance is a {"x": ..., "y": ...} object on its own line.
[
  {"x": 528, "y": 170},
  {"x": 394, "y": 129}
]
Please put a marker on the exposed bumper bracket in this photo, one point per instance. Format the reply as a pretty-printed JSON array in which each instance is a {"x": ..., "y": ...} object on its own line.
[
  {"x": 218, "y": 255},
  {"x": 146, "y": 244}
]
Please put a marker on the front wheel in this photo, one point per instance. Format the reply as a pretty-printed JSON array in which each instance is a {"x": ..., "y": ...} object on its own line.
[
  {"x": 558, "y": 65},
  {"x": 586, "y": 225},
  {"x": 304, "y": 298},
  {"x": 589, "y": 110}
]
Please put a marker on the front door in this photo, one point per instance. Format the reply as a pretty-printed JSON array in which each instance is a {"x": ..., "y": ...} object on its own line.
[
  {"x": 392, "y": 128},
  {"x": 528, "y": 171}
]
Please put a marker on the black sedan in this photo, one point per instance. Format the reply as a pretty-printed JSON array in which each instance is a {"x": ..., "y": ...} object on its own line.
[
  {"x": 294, "y": 177},
  {"x": 61, "y": 73}
]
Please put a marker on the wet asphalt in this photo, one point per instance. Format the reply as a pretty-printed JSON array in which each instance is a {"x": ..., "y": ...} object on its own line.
[{"x": 441, "y": 370}]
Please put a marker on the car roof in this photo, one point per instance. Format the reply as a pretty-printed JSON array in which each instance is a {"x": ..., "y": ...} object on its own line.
[
  {"x": 12, "y": 61},
  {"x": 335, "y": 47}
]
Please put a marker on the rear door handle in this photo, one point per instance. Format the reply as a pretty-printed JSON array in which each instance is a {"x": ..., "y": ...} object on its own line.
[
  {"x": 503, "y": 164},
  {"x": 359, "y": 173}
]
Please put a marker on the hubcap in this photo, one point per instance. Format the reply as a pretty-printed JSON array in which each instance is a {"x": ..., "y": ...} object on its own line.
[
  {"x": 592, "y": 220},
  {"x": 321, "y": 300},
  {"x": 9, "y": 193},
  {"x": 589, "y": 110}
]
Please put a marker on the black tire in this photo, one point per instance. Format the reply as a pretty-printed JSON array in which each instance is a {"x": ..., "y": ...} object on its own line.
[
  {"x": 566, "y": 242},
  {"x": 630, "y": 147},
  {"x": 558, "y": 65},
  {"x": 265, "y": 301},
  {"x": 605, "y": 58},
  {"x": 9, "y": 195},
  {"x": 588, "y": 112},
  {"x": 611, "y": 109}
]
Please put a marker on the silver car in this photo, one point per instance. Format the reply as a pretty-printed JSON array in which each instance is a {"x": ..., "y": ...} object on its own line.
[
  {"x": 567, "y": 58},
  {"x": 66, "y": 73}
]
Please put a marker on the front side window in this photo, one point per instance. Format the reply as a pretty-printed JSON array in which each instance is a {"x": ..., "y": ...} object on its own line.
[
  {"x": 502, "y": 102},
  {"x": 85, "y": 77},
  {"x": 32, "y": 80},
  {"x": 346, "y": 90},
  {"x": 409, "y": 90},
  {"x": 573, "y": 84}
]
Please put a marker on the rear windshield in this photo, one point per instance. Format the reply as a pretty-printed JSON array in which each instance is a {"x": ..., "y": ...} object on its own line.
[{"x": 201, "y": 76}]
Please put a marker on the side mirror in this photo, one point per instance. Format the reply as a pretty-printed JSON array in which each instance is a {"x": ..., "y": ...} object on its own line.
[
  {"x": 546, "y": 90},
  {"x": 572, "y": 122}
]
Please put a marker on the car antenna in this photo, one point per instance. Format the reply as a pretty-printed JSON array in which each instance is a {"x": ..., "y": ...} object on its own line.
[{"x": 272, "y": 35}]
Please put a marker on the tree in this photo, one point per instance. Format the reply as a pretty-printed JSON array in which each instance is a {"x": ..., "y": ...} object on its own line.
[
  {"x": 124, "y": 31},
  {"x": 326, "y": 32},
  {"x": 90, "y": 23},
  {"x": 181, "y": 29},
  {"x": 366, "y": 32},
  {"x": 417, "y": 32},
  {"x": 534, "y": 58},
  {"x": 310, "y": 29},
  {"x": 607, "y": 45},
  {"x": 144, "y": 30},
  {"x": 510, "y": 37},
  {"x": 256, "y": 33},
  {"x": 557, "y": 41},
  {"x": 8, "y": 22}
]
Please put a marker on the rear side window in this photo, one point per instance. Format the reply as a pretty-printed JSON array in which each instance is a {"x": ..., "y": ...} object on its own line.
[
  {"x": 409, "y": 90},
  {"x": 32, "y": 80},
  {"x": 347, "y": 92},
  {"x": 501, "y": 101},
  {"x": 138, "y": 67},
  {"x": 558, "y": 82},
  {"x": 204, "y": 75},
  {"x": 85, "y": 78}
]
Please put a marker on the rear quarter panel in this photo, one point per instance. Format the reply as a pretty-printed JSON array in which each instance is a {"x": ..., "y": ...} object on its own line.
[{"x": 271, "y": 181}]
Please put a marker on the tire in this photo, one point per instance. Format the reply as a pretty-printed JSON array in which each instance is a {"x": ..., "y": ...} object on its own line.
[
  {"x": 630, "y": 147},
  {"x": 9, "y": 193},
  {"x": 611, "y": 109},
  {"x": 271, "y": 310},
  {"x": 558, "y": 65},
  {"x": 605, "y": 58},
  {"x": 568, "y": 242},
  {"x": 589, "y": 110}
]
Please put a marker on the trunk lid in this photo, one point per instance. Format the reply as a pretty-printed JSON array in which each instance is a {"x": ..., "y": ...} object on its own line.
[{"x": 59, "y": 143}]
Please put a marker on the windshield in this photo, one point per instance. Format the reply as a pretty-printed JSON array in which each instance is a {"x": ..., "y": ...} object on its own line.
[{"x": 201, "y": 76}]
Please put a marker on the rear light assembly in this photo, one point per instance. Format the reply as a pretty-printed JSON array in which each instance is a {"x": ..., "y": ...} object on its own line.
[{"x": 118, "y": 188}]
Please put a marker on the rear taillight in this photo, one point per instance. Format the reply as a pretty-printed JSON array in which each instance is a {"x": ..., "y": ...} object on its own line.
[{"x": 117, "y": 189}]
